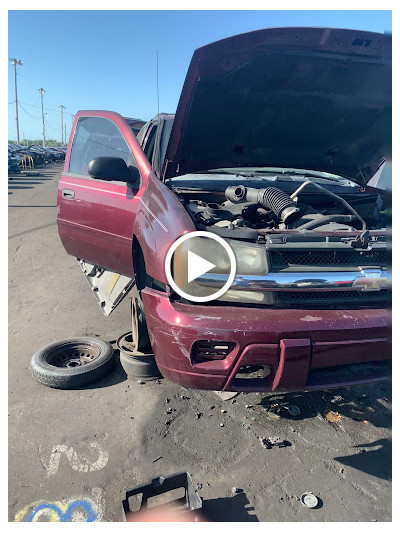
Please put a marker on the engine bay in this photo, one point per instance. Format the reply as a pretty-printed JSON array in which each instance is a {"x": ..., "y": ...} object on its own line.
[{"x": 257, "y": 205}]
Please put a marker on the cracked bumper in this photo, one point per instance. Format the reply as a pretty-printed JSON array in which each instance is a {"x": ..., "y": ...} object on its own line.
[{"x": 305, "y": 349}]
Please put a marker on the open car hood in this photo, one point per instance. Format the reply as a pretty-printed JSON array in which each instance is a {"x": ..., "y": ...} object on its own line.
[{"x": 308, "y": 98}]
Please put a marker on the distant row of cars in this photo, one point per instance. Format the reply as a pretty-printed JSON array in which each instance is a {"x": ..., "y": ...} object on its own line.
[{"x": 40, "y": 155}]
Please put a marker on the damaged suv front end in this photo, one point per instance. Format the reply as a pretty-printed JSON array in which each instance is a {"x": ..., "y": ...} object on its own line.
[{"x": 297, "y": 121}]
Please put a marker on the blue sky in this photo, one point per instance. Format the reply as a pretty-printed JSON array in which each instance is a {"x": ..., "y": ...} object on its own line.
[{"x": 107, "y": 59}]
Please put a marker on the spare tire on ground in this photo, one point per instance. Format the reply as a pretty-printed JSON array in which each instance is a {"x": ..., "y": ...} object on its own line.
[{"x": 72, "y": 363}]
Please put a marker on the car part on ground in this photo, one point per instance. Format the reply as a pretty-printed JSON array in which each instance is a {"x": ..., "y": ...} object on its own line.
[
  {"x": 308, "y": 499},
  {"x": 269, "y": 442},
  {"x": 159, "y": 487},
  {"x": 72, "y": 363},
  {"x": 136, "y": 364},
  {"x": 225, "y": 395}
]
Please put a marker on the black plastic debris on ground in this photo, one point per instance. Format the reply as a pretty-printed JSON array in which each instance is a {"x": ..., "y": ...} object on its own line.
[
  {"x": 161, "y": 485},
  {"x": 269, "y": 442}
]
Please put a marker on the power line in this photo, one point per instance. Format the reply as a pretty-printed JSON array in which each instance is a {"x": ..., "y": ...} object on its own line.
[
  {"x": 45, "y": 108},
  {"x": 29, "y": 115}
]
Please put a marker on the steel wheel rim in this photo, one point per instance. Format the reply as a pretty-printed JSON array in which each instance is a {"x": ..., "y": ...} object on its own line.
[
  {"x": 126, "y": 344},
  {"x": 73, "y": 355}
]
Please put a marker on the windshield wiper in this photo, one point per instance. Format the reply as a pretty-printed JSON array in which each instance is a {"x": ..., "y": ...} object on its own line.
[
  {"x": 232, "y": 172},
  {"x": 299, "y": 173}
]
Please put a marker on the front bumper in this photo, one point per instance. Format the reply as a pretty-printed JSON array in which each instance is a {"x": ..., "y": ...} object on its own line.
[
  {"x": 371, "y": 279},
  {"x": 305, "y": 349}
]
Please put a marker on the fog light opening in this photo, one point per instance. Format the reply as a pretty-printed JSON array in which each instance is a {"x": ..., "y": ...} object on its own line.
[
  {"x": 252, "y": 376},
  {"x": 211, "y": 350}
]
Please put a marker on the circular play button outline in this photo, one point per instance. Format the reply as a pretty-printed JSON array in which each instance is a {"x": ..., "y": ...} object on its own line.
[{"x": 208, "y": 235}]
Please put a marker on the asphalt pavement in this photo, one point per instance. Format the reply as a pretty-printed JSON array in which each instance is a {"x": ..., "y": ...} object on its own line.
[{"x": 73, "y": 453}]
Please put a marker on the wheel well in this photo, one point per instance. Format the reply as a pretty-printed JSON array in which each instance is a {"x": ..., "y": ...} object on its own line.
[{"x": 139, "y": 264}]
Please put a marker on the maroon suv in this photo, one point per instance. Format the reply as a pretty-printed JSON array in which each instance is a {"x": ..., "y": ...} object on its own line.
[{"x": 276, "y": 134}]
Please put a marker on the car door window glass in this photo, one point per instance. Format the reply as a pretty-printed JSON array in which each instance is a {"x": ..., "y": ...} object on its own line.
[{"x": 97, "y": 137}]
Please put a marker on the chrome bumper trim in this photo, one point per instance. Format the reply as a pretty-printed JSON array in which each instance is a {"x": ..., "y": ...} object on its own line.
[{"x": 366, "y": 279}]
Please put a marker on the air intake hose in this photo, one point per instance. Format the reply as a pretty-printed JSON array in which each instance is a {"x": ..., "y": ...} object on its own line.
[{"x": 270, "y": 198}]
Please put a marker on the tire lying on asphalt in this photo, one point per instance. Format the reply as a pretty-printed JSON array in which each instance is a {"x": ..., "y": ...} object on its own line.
[{"x": 72, "y": 363}]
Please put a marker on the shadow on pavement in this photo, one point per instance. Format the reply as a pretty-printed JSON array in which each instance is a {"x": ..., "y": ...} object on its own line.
[
  {"x": 115, "y": 376},
  {"x": 233, "y": 509},
  {"x": 31, "y": 182},
  {"x": 376, "y": 463},
  {"x": 361, "y": 403}
]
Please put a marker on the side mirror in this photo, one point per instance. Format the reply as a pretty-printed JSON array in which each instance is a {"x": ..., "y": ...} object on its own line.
[{"x": 109, "y": 168}]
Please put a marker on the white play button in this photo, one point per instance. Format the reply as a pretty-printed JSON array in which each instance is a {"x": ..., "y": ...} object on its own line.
[
  {"x": 184, "y": 267},
  {"x": 197, "y": 266}
]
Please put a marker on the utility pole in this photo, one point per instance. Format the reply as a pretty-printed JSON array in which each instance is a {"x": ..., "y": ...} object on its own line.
[
  {"x": 62, "y": 126},
  {"x": 65, "y": 134},
  {"x": 14, "y": 62},
  {"x": 41, "y": 97}
]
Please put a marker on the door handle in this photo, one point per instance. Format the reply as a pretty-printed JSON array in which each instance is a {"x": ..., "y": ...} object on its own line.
[{"x": 68, "y": 193}]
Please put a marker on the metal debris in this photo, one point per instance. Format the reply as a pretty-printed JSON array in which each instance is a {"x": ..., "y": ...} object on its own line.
[
  {"x": 169, "y": 410},
  {"x": 198, "y": 415},
  {"x": 199, "y": 486},
  {"x": 249, "y": 406},
  {"x": 308, "y": 499},
  {"x": 223, "y": 411},
  {"x": 167, "y": 400},
  {"x": 235, "y": 490},
  {"x": 221, "y": 425},
  {"x": 140, "y": 381},
  {"x": 154, "y": 460}
]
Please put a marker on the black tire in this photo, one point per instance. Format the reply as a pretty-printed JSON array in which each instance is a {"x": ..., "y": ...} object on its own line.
[
  {"x": 143, "y": 339},
  {"x": 49, "y": 368},
  {"x": 140, "y": 366}
]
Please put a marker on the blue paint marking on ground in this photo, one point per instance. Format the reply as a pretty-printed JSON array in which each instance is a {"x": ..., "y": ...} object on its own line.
[
  {"x": 91, "y": 515},
  {"x": 65, "y": 516}
]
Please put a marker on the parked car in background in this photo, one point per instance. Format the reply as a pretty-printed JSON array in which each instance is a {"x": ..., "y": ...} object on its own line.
[
  {"x": 14, "y": 160},
  {"x": 275, "y": 137},
  {"x": 55, "y": 154},
  {"x": 135, "y": 124},
  {"x": 21, "y": 151}
]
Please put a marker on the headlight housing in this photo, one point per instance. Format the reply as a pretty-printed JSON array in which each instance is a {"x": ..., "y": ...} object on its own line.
[{"x": 251, "y": 259}]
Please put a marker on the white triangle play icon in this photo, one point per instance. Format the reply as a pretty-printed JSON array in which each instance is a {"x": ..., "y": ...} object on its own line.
[{"x": 197, "y": 266}]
